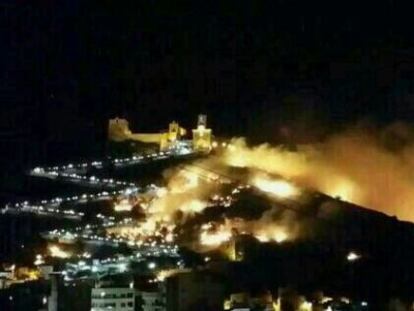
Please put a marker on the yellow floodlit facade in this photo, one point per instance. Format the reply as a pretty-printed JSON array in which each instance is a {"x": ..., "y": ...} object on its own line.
[
  {"x": 175, "y": 131},
  {"x": 202, "y": 135},
  {"x": 118, "y": 131}
]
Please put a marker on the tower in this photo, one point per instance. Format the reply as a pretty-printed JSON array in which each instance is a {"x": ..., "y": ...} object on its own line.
[
  {"x": 202, "y": 135},
  {"x": 173, "y": 131},
  {"x": 118, "y": 130},
  {"x": 202, "y": 120}
]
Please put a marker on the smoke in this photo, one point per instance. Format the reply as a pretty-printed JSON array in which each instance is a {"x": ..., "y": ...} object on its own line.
[
  {"x": 185, "y": 194},
  {"x": 192, "y": 188},
  {"x": 205, "y": 183},
  {"x": 277, "y": 225},
  {"x": 362, "y": 165}
]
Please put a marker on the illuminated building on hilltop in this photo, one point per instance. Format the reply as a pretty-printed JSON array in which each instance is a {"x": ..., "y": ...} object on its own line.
[
  {"x": 118, "y": 131},
  {"x": 170, "y": 138},
  {"x": 202, "y": 135}
]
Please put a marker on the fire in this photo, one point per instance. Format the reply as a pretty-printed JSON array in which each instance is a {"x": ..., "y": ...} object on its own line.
[
  {"x": 169, "y": 237},
  {"x": 279, "y": 188},
  {"x": 262, "y": 238},
  {"x": 164, "y": 274},
  {"x": 277, "y": 235},
  {"x": 161, "y": 192},
  {"x": 216, "y": 238},
  {"x": 183, "y": 181},
  {"x": 188, "y": 192},
  {"x": 344, "y": 190},
  {"x": 355, "y": 166},
  {"x": 184, "y": 193},
  {"x": 149, "y": 226},
  {"x": 55, "y": 251},
  {"x": 145, "y": 231},
  {"x": 123, "y": 206},
  {"x": 280, "y": 236},
  {"x": 194, "y": 206},
  {"x": 214, "y": 234},
  {"x": 191, "y": 179}
]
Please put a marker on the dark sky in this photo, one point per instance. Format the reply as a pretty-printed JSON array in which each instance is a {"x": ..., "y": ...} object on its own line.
[{"x": 262, "y": 69}]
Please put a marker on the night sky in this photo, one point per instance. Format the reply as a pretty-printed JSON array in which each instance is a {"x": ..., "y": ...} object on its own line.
[{"x": 279, "y": 71}]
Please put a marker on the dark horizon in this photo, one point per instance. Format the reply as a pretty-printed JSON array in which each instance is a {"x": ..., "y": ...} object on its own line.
[{"x": 278, "y": 71}]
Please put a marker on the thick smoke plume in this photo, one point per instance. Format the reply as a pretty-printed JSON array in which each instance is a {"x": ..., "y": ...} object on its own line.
[
  {"x": 185, "y": 193},
  {"x": 192, "y": 188},
  {"x": 364, "y": 166}
]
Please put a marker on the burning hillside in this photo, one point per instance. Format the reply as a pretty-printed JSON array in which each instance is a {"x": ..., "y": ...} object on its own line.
[
  {"x": 203, "y": 209},
  {"x": 274, "y": 194},
  {"x": 360, "y": 166}
]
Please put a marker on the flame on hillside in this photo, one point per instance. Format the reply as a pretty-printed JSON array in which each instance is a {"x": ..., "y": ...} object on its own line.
[
  {"x": 363, "y": 166},
  {"x": 279, "y": 188}
]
